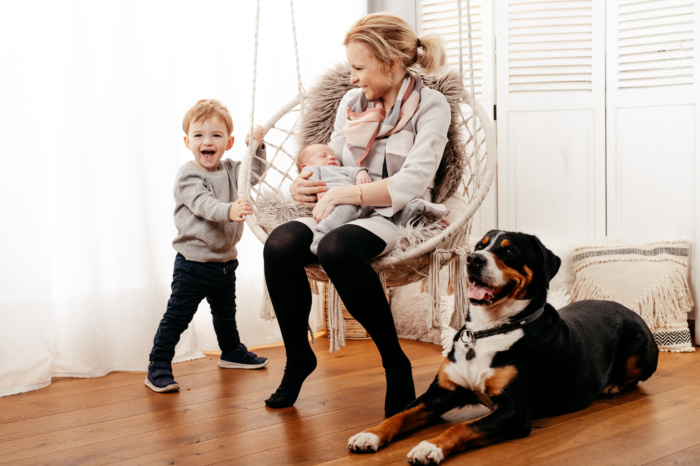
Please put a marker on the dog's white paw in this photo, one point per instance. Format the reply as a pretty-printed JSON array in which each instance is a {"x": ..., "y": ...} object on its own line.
[
  {"x": 611, "y": 389},
  {"x": 364, "y": 441},
  {"x": 425, "y": 453}
]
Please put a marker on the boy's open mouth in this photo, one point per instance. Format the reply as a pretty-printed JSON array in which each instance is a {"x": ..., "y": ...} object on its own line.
[{"x": 208, "y": 153}]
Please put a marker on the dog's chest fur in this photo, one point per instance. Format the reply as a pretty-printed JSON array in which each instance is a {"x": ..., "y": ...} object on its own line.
[{"x": 473, "y": 374}]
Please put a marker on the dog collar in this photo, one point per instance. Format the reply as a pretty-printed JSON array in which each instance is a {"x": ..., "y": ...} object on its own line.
[{"x": 468, "y": 337}]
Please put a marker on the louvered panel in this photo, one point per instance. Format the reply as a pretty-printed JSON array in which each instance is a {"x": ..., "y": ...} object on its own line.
[
  {"x": 441, "y": 17},
  {"x": 656, "y": 46},
  {"x": 550, "y": 46}
]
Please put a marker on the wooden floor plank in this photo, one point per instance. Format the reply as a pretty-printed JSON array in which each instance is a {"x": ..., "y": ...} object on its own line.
[
  {"x": 557, "y": 445},
  {"x": 688, "y": 457},
  {"x": 133, "y": 399},
  {"x": 219, "y": 418},
  {"x": 350, "y": 376}
]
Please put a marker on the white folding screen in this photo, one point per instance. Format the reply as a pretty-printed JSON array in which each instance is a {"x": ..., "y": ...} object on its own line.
[
  {"x": 652, "y": 118},
  {"x": 440, "y": 16},
  {"x": 653, "y": 123},
  {"x": 551, "y": 117}
]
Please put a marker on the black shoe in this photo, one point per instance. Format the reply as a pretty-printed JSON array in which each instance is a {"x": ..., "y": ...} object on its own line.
[
  {"x": 241, "y": 358},
  {"x": 160, "y": 377}
]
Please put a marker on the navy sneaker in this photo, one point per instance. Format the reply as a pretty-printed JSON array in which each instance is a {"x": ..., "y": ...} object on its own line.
[
  {"x": 241, "y": 358},
  {"x": 160, "y": 377}
]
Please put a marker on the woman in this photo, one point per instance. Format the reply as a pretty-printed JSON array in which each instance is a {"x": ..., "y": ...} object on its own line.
[{"x": 397, "y": 128}]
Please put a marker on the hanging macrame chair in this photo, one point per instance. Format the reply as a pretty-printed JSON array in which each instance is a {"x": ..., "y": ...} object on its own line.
[{"x": 423, "y": 261}]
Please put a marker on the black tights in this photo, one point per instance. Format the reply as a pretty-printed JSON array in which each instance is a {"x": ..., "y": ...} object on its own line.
[{"x": 344, "y": 254}]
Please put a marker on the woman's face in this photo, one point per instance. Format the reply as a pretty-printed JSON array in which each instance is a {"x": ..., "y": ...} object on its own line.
[{"x": 365, "y": 72}]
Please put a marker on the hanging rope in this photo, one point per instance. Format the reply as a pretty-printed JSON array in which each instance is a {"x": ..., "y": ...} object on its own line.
[
  {"x": 255, "y": 70},
  {"x": 300, "y": 88}
]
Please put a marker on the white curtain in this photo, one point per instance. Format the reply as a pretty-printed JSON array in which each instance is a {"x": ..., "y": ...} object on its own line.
[{"x": 92, "y": 96}]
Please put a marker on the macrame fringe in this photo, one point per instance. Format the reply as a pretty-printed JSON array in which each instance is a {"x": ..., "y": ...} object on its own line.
[
  {"x": 585, "y": 288},
  {"x": 434, "y": 289},
  {"x": 666, "y": 302},
  {"x": 314, "y": 287},
  {"x": 451, "y": 277},
  {"x": 336, "y": 323},
  {"x": 459, "y": 316},
  {"x": 313, "y": 337},
  {"x": 424, "y": 285},
  {"x": 267, "y": 312},
  {"x": 382, "y": 279},
  {"x": 661, "y": 306}
]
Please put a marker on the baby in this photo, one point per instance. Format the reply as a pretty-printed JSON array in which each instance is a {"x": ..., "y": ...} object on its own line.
[{"x": 321, "y": 160}]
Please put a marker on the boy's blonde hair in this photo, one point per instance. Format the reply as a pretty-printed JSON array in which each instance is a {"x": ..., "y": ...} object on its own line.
[
  {"x": 390, "y": 39},
  {"x": 207, "y": 109}
]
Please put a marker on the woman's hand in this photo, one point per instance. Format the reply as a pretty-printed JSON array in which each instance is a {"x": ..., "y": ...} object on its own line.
[
  {"x": 324, "y": 206},
  {"x": 304, "y": 190}
]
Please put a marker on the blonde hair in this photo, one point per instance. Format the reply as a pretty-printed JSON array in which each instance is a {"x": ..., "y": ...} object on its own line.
[
  {"x": 207, "y": 109},
  {"x": 391, "y": 39}
]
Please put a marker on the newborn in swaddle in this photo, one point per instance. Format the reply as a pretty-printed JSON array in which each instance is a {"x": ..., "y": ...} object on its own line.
[{"x": 321, "y": 160}]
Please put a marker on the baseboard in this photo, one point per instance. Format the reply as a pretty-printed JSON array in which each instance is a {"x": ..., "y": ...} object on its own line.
[
  {"x": 691, "y": 324},
  {"x": 266, "y": 345}
]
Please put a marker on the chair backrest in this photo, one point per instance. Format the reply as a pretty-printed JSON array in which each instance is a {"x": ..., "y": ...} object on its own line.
[{"x": 323, "y": 99}]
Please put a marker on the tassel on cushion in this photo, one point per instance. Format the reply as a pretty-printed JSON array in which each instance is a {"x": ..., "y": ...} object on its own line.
[
  {"x": 666, "y": 302},
  {"x": 585, "y": 288}
]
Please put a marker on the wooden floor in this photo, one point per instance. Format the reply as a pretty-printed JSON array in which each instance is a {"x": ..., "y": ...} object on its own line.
[{"x": 219, "y": 417}]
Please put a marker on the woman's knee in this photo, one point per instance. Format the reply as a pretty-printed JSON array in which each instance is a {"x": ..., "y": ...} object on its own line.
[
  {"x": 348, "y": 242},
  {"x": 288, "y": 241}
]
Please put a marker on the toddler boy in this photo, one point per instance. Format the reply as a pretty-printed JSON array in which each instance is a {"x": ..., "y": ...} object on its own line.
[{"x": 208, "y": 217}]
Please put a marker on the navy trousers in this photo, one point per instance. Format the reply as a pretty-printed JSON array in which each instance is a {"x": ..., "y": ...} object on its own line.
[{"x": 193, "y": 282}]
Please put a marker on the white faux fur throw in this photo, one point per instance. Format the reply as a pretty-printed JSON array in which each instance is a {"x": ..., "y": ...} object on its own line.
[{"x": 274, "y": 210}]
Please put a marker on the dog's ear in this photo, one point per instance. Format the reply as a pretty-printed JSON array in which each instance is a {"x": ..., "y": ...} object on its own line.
[{"x": 550, "y": 262}]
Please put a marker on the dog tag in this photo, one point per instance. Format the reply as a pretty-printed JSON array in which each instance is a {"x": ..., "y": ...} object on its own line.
[{"x": 470, "y": 354}]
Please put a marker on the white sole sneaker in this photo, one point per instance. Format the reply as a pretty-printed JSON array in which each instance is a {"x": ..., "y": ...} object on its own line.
[
  {"x": 173, "y": 387},
  {"x": 235, "y": 365}
]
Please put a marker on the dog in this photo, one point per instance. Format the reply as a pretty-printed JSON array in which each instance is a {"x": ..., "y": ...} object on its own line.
[{"x": 519, "y": 356}]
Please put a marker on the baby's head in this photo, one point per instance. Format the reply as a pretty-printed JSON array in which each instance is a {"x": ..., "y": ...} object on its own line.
[
  {"x": 316, "y": 154},
  {"x": 208, "y": 127}
]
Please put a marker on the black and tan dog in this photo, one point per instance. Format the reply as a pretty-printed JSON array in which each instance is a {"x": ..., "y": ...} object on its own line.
[{"x": 520, "y": 357}]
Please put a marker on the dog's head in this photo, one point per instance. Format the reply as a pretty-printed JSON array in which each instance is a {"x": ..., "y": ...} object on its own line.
[{"x": 509, "y": 266}]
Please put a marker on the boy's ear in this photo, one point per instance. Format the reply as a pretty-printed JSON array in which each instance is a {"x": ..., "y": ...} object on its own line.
[
  {"x": 230, "y": 143},
  {"x": 187, "y": 142}
]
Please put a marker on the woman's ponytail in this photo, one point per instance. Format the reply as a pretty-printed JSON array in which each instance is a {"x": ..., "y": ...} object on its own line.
[{"x": 431, "y": 53}]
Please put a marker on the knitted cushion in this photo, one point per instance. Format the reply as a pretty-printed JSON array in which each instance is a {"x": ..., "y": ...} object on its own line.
[{"x": 650, "y": 279}]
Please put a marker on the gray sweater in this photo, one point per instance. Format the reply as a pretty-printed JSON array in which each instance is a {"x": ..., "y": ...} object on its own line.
[{"x": 202, "y": 203}]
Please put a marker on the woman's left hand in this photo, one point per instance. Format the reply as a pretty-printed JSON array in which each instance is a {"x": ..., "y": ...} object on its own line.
[{"x": 324, "y": 206}]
